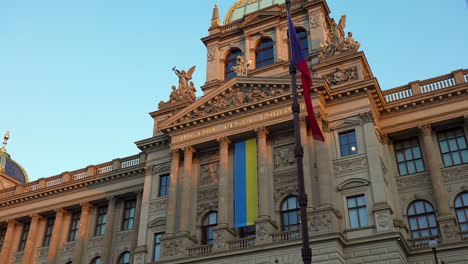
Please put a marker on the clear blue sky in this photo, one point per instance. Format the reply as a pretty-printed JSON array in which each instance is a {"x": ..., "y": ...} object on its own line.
[{"x": 78, "y": 78}]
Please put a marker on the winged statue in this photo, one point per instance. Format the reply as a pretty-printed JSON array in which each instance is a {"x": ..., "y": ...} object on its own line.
[{"x": 184, "y": 77}]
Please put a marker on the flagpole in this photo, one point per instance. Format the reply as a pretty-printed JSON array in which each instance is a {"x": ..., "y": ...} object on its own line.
[{"x": 299, "y": 154}]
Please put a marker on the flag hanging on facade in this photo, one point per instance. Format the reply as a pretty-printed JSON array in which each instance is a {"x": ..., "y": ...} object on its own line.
[
  {"x": 245, "y": 183},
  {"x": 301, "y": 64}
]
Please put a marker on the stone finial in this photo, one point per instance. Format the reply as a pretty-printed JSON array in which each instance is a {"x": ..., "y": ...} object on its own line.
[{"x": 215, "y": 22}]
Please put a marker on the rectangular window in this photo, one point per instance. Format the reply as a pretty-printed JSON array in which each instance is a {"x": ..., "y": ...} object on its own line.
[
  {"x": 129, "y": 215},
  {"x": 357, "y": 211},
  {"x": 409, "y": 157},
  {"x": 164, "y": 185},
  {"x": 74, "y": 226},
  {"x": 157, "y": 246},
  {"x": 453, "y": 147},
  {"x": 2, "y": 236},
  {"x": 48, "y": 232},
  {"x": 101, "y": 221},
  {"x": 348, "y": 143},
  {"x": 24, "y": 236}
]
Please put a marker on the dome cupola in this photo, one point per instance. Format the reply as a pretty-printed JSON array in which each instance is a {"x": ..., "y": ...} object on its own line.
[
  {"x": 9, "y": 167},
  {"x": 244, "y": 7}
]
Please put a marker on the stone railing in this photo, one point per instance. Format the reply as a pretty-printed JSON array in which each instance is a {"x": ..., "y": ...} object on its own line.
[
  {"x": 241, "y": 243},
  {"x": 199, "y": 251},
  {"x": 426, "y": 86},
  {"x": 229, "y": 27},
  {"x": 286, "y": 235},
  {"x": 422, "y": 242},
  {"x": 76, "y": 175}
]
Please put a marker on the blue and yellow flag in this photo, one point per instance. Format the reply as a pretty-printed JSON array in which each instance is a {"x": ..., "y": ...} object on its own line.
[{"x": 245, "y": 182}]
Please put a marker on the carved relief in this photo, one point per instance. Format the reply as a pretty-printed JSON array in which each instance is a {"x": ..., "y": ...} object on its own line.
[
  {"x": 455, "y": 174},
  {"x": 320, "y": 223},
  {"x": 219, "y": 239},
  {"x": 350, "y": 165},
  {"x": 262, "y": 232},
  {"x": 172, "y": 248},
  {"x": 235, "y": 97},
  {"x": 95, "y": 243},
  {"x": 315, "y": 20},
  {"x": 338, "y": 43},
  {"x": 123, "y": 237},
  {"x": 208, "y": 194},
  {"x": 283, "y": 191},
  {"x": 211, "y": 54},
  {"x": 158, "y": 206},
  {"x": 209, "y": 173},
  {"x": 406, "y": 183},
  {"x": 140, "y": 258},
  {"x": 284, "y": 156},
  {"x": 383, "y": 219},
  {"x": 207, "y": 206},
  {"x": 339, "y": 76}
]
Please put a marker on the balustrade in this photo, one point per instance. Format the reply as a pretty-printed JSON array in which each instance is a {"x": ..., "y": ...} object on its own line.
[
  {"x": 422, "y": 242},
  {"x": 437, "y": 84},
  {"x": 391, "y": 95},
  {"x": 52, "y": 181},
  {"x": 130, "y": 162},
  {"x": 199, "y": 251},
  {"x": 287, "y": 235},
  {"x": 241, "y": 243}
]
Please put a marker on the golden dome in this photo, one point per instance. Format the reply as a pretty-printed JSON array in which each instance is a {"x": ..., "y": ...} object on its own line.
[{"x": 244, "y": 7}]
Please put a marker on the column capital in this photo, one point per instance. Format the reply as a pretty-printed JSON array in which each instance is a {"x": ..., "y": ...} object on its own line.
[
  {"x": 86, "y": 206},
  {"x": 36, "y": 217},
  {"x": 223, "y": 141},
  {"x": 138, "y": 192},
  {"x": 262, "y": 132},
  {"x": 61, "y": 211},
  {"x": 112, "y": 198},
  {"x": 149, "y": 170},
  {"x": 12, "y": 222},
  {"x": 367, "y": 117},
  {"x": 426, "y": 129},
  {"x": 175, "y": 153},
  {"x": 189, "y": 150}
]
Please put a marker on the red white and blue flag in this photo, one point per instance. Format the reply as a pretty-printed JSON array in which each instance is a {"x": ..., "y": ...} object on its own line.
[{"x": 301, "y": 64}]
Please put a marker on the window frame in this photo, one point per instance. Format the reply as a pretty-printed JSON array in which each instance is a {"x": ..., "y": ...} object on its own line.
[
  {"x": 95, "y": 259},
  {"x": 229, "y": 62},
  {"x": 450, "y": 152},
  {"x": 417, "y": 216},
  {"x": 157, "y": 246},
  {"x": 357, "y": 209},
  {"x": 122, "y": 259},
  {"x": 463, "y": 209},
  {"x": 348, "y": 145},
  {"x": 24, "y": 236},
  {"x": 127, "y": 219},
  {"x": 288, "y": 212},
  {"x": 101, "y": 221},
  {"x": 74, "y": 226},
  {"x": 163, "y": 190},
  {"x": 303, "y": 39},
  {"x": 49, "y": 230},
  {"x": 406, "y": 162},
  {"x": 207, "y": 228},
  {"x": 262, "y": 51}
]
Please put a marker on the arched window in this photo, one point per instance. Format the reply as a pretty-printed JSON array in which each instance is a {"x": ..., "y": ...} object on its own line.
[
  {"x": 264, "y": 54},
  {"x": 461, "y": 207},
  {"x": 69, "y": 262},
  {"x": 96, "y": 260},
  {"x": 422, "y": 220},
  {"x": 231, "y": 61},
  {"x": 124, "y": 258},
  {"x": 290, "y": 218},
  {"x": 302, "y": 36},
  {"x": 210, "y": 221}
]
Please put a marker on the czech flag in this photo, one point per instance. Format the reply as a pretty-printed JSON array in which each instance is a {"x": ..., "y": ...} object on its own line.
[{"x": 301, "y": 64}]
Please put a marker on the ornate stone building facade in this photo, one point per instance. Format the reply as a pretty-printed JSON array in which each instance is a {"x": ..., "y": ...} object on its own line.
[{"x": 391, "y": 176}]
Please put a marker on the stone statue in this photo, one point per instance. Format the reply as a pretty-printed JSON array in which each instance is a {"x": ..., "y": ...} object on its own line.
[
  {"x": 241, "y": 66},
  {"x": 185, "y": 91},
  {"x": 337, "y": 43}
]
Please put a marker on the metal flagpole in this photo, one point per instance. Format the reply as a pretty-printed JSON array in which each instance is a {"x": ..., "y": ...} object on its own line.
[{"x": 299, "y": 153}]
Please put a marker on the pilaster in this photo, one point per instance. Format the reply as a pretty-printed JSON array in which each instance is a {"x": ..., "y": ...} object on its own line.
[
  {"x": 109, "y": 231},
  {"x": 172, "y": 199},
  {"x": 224, "y": 187},
  {"x": 265, "y": 180},
  {"x": 134, "y": 243},
  {"x": 187, "y": 189},
  {"x": 31, "y": 240},
  {"x": 8, "y": 241},
  {"x": 80, "y": 249},
  {"x": 56, "y": 235}
]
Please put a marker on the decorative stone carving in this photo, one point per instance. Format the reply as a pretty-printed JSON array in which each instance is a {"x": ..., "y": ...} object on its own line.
[
  {"x": 208, "y": 194},
  {"x": 367, "y": 117},
  {"x": 284, "y": 156},
  {"x": 149, "y": 170},
  {"x": 207, "y": 206},
  {"x": 209, "y": 173},
  {"x": 219, "y": 240},
  {"x": 241, "y": 66},
  {"x": 262, "y": 231},
  {"x": 455, "y": 173},
  {"x": 383, "y": 219},
  {"x": 185, "y": 91},
  {"x": 139, "y": 258},
  {"x": 158, "y": 206},
  {"x": 339, "y": 76},
  {"x": 172, "y": 248},
  {"x": 235, "y": 97},
  {"x": 411, "y": 182},
  {"x": 320, "y": 223},
  {"x": 283, "y": 191},
  {"x": 449, "y": 229},
  {"x": 339, "y": 43},
  {"x": 95, "y": 243},
  {"x": 211, "y": 54},
  {"x": 426, "y": 129},
  {"x": 123, "y": 237},
  {"x": 350, "y": 165},
  {"x": 315, "y": 20},
  {"x": 68, "y": 248}
]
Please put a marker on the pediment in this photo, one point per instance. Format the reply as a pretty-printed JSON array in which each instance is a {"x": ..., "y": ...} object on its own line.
[
  {"x": 353, "y": 183},
  {"x": 349, "y": 122},
  {"x": 7, "y": 182},
  {"x": 239, "y": 95}
]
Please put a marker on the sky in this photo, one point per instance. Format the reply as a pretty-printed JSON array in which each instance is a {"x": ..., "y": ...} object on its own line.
[{"x": 78, "y": 78}]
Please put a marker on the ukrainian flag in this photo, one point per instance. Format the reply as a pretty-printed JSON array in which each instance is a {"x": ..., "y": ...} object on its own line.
[{"x": 245, "y": 183}]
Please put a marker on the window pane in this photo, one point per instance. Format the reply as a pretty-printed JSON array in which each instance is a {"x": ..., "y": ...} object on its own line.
[
  {"x": 353, "y": 218},
  {"x": 285, "y": 219},
  {"x": 292, "y": 203},
  {"x": 456, "y": 158},
  {"x": 432, "y": 221},
  {"x": 444, "y": 147},
  {"x": 352, "y": 137},
  {"x": 213, "y": 217},
  {"x": 465, "y": 198},
  {"x": 361, "y": 200},
  {"x": 464, "y": 227},
  {"x": 403, "y": 170},
  {"x": 408, "y": 154},
  {"x": 461, "y": 142},
  {"x": 411, "y": 167},
  {"x": 461, "y": 216},
  {"x": 343, "y": 139},
  {"x": 464, "y": 154},
  {"x": 351, "y": 202},
  {"x": 425, "y": 233},
  {"x": 423, "y": 222},
  {"x": 363, "y": 216},
  {"x": 413, "y": 224},
  {"x": 293, "y": 218},
  {"x": 453, "y": 144},
  {"x": 434, "y": 231},
  {"x": 420, "y": 207},
  {"x": 411, "y": 210},
  {"x": 416, "y": 152},
  {"x": 344, "y": 151},
  {"x": 400, "y": 156},
  {"x": 448, "y": 160},
  {"x": 415, "y": 234},
  {"x": 419, "y": 166}
]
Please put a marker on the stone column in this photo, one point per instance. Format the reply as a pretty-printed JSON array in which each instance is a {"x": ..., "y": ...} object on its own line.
[
  {"x": 134, "y": 243},
  {"x": 265, "y": 224},
  {"x": 80, "y": 246},
  {"x": 247, "y": 53},
  {"x": 8, "y": 241},
  {"x": 446, "y": 220},
  {"x": 109, "y": 231},
  {"x": 187, "y": 188},
  {"x": 281, "y": 55},
  {"x": 32, "y": 237},
  {"x": 56, "y": 235},
  {"x": 308, "y": 145},
  {"x": 172, "y": 199},
  {"x": 223, "y": 231}
]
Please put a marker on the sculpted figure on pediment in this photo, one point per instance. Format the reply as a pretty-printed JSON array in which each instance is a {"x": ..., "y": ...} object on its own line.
[
  {"x": 185, "y": 91},
  {"x": 337, "y": 42},
  {"x": 241, "y": 66}
]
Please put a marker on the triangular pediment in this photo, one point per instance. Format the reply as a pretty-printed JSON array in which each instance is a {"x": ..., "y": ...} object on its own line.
[
  {"x": 239, "y": 95},
  {"x": 7, "y": 181}
]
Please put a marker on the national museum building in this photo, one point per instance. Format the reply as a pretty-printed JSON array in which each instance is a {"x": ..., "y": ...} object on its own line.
[{"x": 217, "y": 181}]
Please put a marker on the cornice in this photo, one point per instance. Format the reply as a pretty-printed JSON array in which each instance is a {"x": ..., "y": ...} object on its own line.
[{"x": 156, "y": 142}]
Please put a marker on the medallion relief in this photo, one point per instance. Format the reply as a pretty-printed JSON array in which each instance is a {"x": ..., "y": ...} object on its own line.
[
  {"x": 284, "y": 156},
  {"x": 340, "y": 76},
  {"x": 209, "y": 173},
  {"x": 320, "y": 223}
]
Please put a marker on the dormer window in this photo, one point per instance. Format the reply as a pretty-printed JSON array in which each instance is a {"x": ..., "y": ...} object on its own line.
[
  {"x": 264, "y": 53},
  {"x": 231, "y": 61}
]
